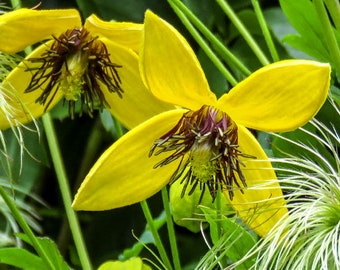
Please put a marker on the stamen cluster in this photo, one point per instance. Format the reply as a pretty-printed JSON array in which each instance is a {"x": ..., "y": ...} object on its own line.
[
  {"x": 206, "y": 142},
  {"x": 77, "y": 64}
]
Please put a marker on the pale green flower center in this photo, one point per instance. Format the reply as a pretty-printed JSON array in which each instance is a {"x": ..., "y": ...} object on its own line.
[
  {"x": 71, "y": 79},
  {"x": 203, "y": 168}
]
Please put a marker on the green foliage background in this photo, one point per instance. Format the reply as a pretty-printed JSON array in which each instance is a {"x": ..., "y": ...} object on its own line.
[{"x": 108, "y": 234}]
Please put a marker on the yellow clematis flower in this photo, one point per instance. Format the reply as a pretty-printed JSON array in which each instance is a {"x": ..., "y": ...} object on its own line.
[
  {"x": 96, "y": 63},
  {"x": 206, "y": 144}
]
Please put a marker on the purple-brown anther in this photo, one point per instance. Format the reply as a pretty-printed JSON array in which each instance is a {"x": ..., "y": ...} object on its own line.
[
  {"x": 77, "y": 64},
  {"x": 206, "y": 142}
]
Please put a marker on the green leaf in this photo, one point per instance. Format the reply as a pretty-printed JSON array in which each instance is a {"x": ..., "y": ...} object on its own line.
[
  {"x": 231, "y": 238},
  {"x": 20, "y": 258},
  {"x": 303, "y": 17},
  {"x": 51, "y": 251},
  {"x": 185, "y": 210}
]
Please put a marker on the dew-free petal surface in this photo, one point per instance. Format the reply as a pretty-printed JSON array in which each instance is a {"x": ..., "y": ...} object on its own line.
[
  {"x": 261, "y": 205},
  {"x": 279, "y": 97},
  {"x": 23, "y": 104},
  {"x": 124, "y": 33},
  {"x": 137, "y": 103},
  {"x": 24, "y": 27},
  {"x": 124, "y": 174},
  {"x": 170, "y": 67}
]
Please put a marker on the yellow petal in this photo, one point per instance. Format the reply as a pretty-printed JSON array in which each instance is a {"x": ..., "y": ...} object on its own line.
[
  {"x": 137, "y": 104},
  {"x": 24, "y": 27},
  {"x": 124, "y": 174},
  {"x": 23, "y": 104},
  {"x": 279, "y": 97},
  {"x": 133, "y": 263},
  {"x": 170, "y": 67},
  {"x": 124, "y": 33},
  {"x": 261, "y": 205}
]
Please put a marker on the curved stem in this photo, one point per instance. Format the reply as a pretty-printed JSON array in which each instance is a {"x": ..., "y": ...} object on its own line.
[
  {"x": 203, "y": 44},
  {"x": 265, "y": 30},
  {"x": 24, "y": 226},
  {"x": 171, "y": 230},
  {"x": 243, "y": 31},
  {"x": 65, "y": 191},
  {"x": 332, "y": 44},
  {"x": 333, "y": 7},
  {"x": 154, "y": 231},
  {"x": 224, "y": 52}
]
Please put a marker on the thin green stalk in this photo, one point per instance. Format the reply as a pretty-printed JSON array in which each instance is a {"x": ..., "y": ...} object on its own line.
[
  {"x": 65, "y": 191},
  {"x": 265, "y": 30},
  {"x": 26, "y": 228},
  {"x": 118, "y": 127},
  {"x": 243, "y": 31},
  {"x": 171, "y": 230},
  {"x": 154, "y": 231},
  {"x": 220, "y": 48},
  {"x": 203, "y": 44},
  {"x": 219, "y": 220},
  {"x": 328, "y": 33},
  {"x": 16, "y": 4},
  {"x": 333, "y": 7}
]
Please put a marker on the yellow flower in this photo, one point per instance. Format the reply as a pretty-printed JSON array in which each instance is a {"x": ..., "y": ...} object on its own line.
[
  {"x": 206, "y": 144},
  {"x": 133, "y": 263},
  {"x": 96, "y": 63}
]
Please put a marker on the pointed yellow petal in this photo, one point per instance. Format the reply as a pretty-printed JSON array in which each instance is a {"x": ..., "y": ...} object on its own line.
[
  {"x": 124, "y": 174},
  {"x": 261, "y": 205},
  {"x": 124, "y": 33},
  {"x": 170, "y": 67},
  {"x": 137, "y": 104},
  {"x": 24, "y": 27},
  {"x": 134, "y": 263},
  {"x": 279, "y": 97},
  {"x": 23, "y": 104}
]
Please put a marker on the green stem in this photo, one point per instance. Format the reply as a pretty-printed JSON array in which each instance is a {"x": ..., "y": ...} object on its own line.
[
  {"x": 171, "y": 230},
  {"x": 118, "y": 127},
  {"x": 16, "y": 4},
  {"x": 243, "y": 31},
  {"x": 333, "y": 7},
  {"x": 65, "y": 191},
  {"x": 154, "y": 231},
  {"x": 205, "y": 47},
  {"x": 223, "y": 51},
  {"x": 24, "y": 226},
  {"x": 265, "y": 30},
  {"x": 328, "y": 33}
]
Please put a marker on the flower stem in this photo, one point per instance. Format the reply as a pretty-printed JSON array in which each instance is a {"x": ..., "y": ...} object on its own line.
[
  {"x": 265, "y": 30},
  {"x": 332, "y": 44},
  {"x": 153, "y": 229},
  {"x": 24, "y": 226},
  {"x": 203, "y": 44},
  {"x": 223, "y": 51},
  {"x": 16, "y": 4},
  {"x": 171, "y": 230},
  {"x": 243, "y": 31},
  {"x": 118, "y": 127},
  {"x": 333, "y": 7},
  {"x": 65, "y": 191}
]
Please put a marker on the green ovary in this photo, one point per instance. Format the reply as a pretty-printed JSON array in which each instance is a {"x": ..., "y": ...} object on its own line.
[
  {"x": 200, "y": 160},
  {"x": 71, "y": 79}
]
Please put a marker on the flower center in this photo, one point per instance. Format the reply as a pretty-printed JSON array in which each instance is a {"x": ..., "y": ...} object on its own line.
[
  {"x": 206, "y": 142},
  {"x": 77, "y": 64}
]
